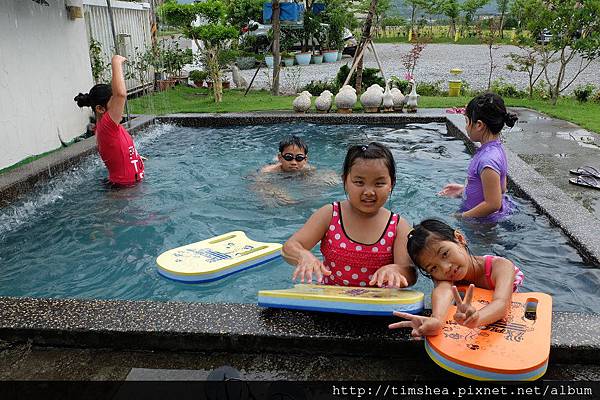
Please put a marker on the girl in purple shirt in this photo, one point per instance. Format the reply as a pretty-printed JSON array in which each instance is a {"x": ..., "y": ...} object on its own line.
[{"x": 484, "y": 195}]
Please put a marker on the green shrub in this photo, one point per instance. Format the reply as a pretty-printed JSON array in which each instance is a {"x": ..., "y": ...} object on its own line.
[
  {"x": 227, "y": 57},
  {"x": 198, "y": 76},
  {"x": 430, "y": 89},
  {"x": 466, "y": 90},
  {"x": 400, "y": 83},
  {"x": 542, "y": 90},
  {"x": 583, "y": 92},
  {"x": 317, "y": 87},
  {"x": 369, "y": 77},
  {"x": 505, "y": 89}
]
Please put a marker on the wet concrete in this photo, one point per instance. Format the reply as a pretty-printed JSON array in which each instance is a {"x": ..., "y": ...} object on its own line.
[
  {"x": 553, "y": 147},
  {"x": 42, "y": 363}
]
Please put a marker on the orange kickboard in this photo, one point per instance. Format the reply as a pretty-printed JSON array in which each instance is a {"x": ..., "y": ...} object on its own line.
[{"x": 519, "y": 344}]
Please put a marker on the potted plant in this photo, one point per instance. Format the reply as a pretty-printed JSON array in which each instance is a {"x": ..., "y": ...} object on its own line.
[
  {"x": 269, "y": 60},
  {"x": 287, "y": 43},
  {"x": 198, "y": 77},
  {"x": 245, "y": 60},
  {"x": 337, "y": 18},
  {"x": 317, "y": 57},
  {"x": 288, "y": 58}
]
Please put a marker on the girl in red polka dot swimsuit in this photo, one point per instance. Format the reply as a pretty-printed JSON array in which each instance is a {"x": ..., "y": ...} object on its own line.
[{"x": 363, "y": 243}]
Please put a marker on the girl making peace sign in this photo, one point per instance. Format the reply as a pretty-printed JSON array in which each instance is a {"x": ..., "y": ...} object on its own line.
[{"x": 441, "y": 253}]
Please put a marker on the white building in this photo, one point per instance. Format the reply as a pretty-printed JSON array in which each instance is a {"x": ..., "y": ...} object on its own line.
[{"x": 44, "y": 63}]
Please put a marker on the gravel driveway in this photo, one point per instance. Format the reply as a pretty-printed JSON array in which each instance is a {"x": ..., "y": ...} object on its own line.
[{"x": 434, "y": 65}]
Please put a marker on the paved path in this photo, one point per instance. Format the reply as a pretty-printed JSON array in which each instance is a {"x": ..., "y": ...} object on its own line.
[{"x": 434, "y": 65}]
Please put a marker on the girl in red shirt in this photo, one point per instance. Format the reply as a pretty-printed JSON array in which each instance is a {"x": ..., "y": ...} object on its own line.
[{"x": 115, "y": 145}]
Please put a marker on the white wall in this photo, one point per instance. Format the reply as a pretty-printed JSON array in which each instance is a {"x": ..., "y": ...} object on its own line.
[{"x": 44, "y": 63}]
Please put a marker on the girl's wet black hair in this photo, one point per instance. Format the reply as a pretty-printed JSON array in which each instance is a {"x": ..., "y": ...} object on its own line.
[
  {"x": 293, "y": 141},
  {"x": 372, "y": 151},
  {"x": 490, "y": 109},
  {"x": 99, "y": 95},
  {"x": 422, "y": 233}
]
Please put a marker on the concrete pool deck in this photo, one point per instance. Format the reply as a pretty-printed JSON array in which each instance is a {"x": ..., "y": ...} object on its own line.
[{"x": 220, "y": 332}]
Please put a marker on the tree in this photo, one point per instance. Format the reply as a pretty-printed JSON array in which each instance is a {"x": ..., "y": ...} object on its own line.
[
  {"x": 451, "y": 9},
  {"x": 239, "y": 12},
  {"x": 517, "y": 11},
  {"x": 527, "y": 61},
  {"x": 470, "y": 8},
  {"x": 362, "y": 46},
  {"x": 211, "y": 38},
  {"x": 489, "y": 38},
  {"x": 575, "y": 29},
  {"x": 381, "y": 10},
  {"x": 414, "y": 6},
  {"x": 503, "y": 6}
]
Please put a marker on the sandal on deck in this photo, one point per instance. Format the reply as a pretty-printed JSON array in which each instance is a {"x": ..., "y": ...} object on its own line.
[
  {"x": 588, "y": 181},
  {"x": 586, "y": 170}
]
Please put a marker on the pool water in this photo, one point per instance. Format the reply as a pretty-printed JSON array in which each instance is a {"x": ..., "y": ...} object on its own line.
[{"x": 77, "y": 238}]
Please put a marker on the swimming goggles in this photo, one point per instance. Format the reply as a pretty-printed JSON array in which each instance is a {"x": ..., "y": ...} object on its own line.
[{"x": 290, "y": 157}]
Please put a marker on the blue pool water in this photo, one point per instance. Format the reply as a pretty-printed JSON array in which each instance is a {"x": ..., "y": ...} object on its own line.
[{"x": 76, "y": 238}]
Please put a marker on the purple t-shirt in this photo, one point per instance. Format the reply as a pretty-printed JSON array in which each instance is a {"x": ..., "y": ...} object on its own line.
[{"x": 489, "y": 155}]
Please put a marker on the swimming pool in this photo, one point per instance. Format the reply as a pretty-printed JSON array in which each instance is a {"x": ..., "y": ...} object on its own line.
[{"x": 78, "y": 238}]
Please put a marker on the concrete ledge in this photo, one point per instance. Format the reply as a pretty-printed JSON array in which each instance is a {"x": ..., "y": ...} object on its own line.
[
  {"x": 17, "y": 182},
  {"x": 231, "y": 119},
  {"x": 177, "y": 326}
]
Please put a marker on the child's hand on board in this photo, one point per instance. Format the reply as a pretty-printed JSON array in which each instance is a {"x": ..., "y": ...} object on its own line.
[
  {"x": 452, "y": 190},
  {"x": 466, "y": 314},
  {"x": 309, "y": 265},
  {"x": 389, "y": 275},
  {"x": 421, "y": 326}
]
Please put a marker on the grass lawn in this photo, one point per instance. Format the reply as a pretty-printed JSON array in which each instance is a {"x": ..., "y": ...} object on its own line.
[{"x": 190, "y": 100}]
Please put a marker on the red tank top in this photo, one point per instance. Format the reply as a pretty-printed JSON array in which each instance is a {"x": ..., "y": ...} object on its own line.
[
  {"x": 116, "y": 148},
  {"x": 353, "y": 263}
]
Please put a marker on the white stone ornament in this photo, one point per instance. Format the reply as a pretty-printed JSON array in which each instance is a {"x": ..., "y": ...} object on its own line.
[
  {"x": 345, "y": 99},
  {"x": 302, "y": 103},
  {"x": 324, "y": 101},
  {"x": 371, "y": 99},
  {"x": 398, "y": 98}
]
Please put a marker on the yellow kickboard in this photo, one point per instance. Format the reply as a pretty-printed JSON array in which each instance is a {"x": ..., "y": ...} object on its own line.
[
  {"x": 215, "y": 258},
  {"x": 343, "y": 299}
]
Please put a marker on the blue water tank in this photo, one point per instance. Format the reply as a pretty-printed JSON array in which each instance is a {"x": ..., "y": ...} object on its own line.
[
  {"x": 289, "y": 12},
  {"x": 318, "y": 8}
]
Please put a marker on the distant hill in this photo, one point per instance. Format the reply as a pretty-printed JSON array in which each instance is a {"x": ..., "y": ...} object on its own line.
[{"x": 399, "y": 7}]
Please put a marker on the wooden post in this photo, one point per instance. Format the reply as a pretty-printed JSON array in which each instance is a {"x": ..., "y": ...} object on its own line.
[
  {"x": 276, "y": 54},
  {"x": 364, "y": 40}
]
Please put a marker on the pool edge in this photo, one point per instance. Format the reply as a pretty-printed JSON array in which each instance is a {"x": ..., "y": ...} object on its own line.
[{"x": 151, "y": 325}]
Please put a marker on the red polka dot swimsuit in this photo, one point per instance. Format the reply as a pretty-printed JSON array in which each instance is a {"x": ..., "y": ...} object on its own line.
[{"x": 353, "y": 263}]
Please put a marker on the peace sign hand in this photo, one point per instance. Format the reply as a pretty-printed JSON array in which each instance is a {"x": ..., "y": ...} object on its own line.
[
  {"x": 421, "y": 326},
  {"x": 466, "y": 314}
]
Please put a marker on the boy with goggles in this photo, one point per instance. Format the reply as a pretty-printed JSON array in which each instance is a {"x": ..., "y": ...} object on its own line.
[{"x": 292, "y": 156}]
